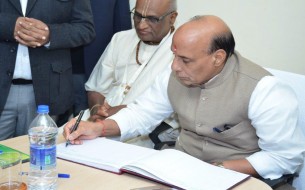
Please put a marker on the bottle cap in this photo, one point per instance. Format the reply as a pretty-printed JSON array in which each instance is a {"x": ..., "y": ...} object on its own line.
[{"x": 43, "y": 109}]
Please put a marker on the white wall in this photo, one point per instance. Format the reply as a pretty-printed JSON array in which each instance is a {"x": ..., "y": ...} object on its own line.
[{"x": 268, "y": 32}]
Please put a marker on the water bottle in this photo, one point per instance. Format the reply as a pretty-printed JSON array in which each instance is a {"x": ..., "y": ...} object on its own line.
[{"x": 42, "y": 135}]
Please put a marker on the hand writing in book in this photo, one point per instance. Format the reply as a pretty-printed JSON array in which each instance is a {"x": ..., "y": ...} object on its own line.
[
  {"x": 86, "y": 130},
  {"x": 90, "y": 130}
]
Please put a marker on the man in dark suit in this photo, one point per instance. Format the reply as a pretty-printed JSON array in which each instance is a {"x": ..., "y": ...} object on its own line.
[{"x": 35, "y": 62}]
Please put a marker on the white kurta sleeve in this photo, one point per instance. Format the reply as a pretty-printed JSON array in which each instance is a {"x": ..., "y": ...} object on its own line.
[
  {"x": 273, "y": 110},
  {"x": 101, "y": 77},
  {"x": 147, "y": 111}
]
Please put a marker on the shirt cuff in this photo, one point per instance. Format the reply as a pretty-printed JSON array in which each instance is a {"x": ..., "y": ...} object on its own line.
[
  {"x": 47, "y": 45},
  {"x": 265, "y": 166},
  {"x": 127, "y": 132}
]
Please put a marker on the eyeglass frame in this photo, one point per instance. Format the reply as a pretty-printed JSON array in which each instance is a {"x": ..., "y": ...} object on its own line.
[{"x": 157, "y": 20}]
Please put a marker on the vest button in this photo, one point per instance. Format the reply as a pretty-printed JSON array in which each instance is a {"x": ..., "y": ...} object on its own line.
[
  {"x": 198, "y": 125},
  {"x": 204, "y": 98}
]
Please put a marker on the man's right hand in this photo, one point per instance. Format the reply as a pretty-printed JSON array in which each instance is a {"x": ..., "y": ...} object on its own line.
[
  {"x": 90, "y": 130},
  {"x": 86, "y": 130}
]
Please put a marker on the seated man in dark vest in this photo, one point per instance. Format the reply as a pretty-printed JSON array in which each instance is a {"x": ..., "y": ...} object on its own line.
[{"x": 230, "y": 110}]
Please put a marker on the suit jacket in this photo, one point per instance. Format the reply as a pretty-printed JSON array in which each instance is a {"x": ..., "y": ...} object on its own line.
[{"x": 70, "y": 23}]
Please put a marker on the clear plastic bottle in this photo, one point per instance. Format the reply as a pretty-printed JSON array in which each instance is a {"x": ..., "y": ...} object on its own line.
[{"x": 42, "y": 135}]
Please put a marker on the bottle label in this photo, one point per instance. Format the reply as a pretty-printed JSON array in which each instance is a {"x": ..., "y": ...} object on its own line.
[{"x": 43, "y": 158}]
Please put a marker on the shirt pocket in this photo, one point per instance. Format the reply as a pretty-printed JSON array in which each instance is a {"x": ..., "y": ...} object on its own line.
[{"x": 242, "y": 135}]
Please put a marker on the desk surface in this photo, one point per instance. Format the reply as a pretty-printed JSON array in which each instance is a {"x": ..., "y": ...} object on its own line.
[{"x": 84, "y": 177}]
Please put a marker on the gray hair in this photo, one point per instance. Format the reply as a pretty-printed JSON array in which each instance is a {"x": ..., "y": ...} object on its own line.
[
  {"x": 224, "y": 40},
  {"x": 173, "y": 5}
]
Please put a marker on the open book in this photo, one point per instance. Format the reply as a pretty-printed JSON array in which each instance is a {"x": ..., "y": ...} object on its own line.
[{"x": 169, "y": 166}]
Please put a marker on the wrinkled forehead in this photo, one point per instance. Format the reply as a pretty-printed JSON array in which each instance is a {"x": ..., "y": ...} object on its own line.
[{"x": 151, "y": 7}]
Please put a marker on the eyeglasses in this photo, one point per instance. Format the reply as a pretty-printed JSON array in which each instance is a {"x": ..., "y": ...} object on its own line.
[{"x": 137, "y": 17}]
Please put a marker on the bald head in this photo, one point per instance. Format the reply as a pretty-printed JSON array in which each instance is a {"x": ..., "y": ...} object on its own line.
[
  {"x": 201, "y": 48},
  {"x": 211, "y": 31}
]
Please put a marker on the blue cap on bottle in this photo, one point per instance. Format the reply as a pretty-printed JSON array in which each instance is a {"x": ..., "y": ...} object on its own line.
[{"x": 43, "y": 109}]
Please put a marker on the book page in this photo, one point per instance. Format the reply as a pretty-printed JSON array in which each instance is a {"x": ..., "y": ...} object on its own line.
[
  {"x": 102, "y": 153},
  {"x": 182, "y": 170}
]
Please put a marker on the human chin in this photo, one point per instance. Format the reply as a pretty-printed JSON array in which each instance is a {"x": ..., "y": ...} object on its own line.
[
  {"x": 145, "y": 36},
  {"x": 185, "y": 81}
]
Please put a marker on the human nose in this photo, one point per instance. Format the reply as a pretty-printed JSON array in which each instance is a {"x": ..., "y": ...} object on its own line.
[
  {"x": 143, "y": 23},
  {"x": 175, "y": 65}
]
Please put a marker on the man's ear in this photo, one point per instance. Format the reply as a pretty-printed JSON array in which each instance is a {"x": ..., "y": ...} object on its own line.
[
  {"x": 173, "y": 18},
  {"x": 219, "y": 57}
]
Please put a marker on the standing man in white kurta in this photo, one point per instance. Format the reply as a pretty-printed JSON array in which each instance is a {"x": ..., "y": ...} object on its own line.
[{"x": 133, "y": 59}]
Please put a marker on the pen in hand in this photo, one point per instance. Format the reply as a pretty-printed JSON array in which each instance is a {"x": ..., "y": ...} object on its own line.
[{"x": 75, "y": 125}]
